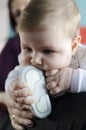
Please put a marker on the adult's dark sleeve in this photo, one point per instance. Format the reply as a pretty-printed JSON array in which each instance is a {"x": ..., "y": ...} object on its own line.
[
  {"x": 68, "y": 113},
  {"x": 8, "y": 59}
]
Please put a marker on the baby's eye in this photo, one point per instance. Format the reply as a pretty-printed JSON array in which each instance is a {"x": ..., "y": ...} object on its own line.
[
  {"x": 47, "y": 51},
  {"x": 28, "y": 49}
]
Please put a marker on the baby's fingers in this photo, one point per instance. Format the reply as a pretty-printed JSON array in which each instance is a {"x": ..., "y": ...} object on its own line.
[
  {"x": 56, "y": 90},
  {"x": 23, "y": 92},
  {"x": 17, "y": 84},
  {"x": 51, "y": 85},
  {"x": 53, "y": 78},
  {"x": 51, "y": 72},
  {"x": 49, "y": 79},
  {"x": 25, "y": 100}
]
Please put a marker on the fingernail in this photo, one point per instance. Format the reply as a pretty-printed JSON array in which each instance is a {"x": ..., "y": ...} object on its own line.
[{"x": 29, "y": 123}]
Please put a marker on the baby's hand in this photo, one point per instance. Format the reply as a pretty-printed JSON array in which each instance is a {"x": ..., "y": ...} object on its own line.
[
  {"x": 58, "y": 80},
  {"x": 20, "y": 93}
]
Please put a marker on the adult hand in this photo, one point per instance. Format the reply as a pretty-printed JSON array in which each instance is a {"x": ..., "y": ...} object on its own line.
[
  {"x": 19, "y": 106},
  {"x": 19, "y": 118}
]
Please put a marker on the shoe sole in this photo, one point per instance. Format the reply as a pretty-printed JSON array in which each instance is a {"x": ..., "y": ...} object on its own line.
[{"x": 36, "y": 83}]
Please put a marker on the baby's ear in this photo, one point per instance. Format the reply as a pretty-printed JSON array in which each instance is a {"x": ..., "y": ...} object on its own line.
[{"x": 76, "y": 41}]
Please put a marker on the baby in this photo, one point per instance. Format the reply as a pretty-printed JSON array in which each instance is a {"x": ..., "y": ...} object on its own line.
[{"x": 50, "y": 41}]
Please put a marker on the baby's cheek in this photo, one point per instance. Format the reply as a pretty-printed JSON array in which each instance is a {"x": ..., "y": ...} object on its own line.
[
  {"x": 49, "y": 65},
  {"x": 25, "y": 61}
]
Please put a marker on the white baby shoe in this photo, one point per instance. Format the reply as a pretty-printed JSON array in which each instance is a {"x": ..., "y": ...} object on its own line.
[{"x": 35, "y": 79}]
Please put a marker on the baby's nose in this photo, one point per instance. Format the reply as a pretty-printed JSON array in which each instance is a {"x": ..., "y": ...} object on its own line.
[{"x": 36, "y": 60}]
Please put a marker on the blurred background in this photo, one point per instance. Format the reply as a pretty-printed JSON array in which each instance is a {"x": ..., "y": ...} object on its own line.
[
  {"x": 82, "y": 6},
  {"x": 4, "y": 23},
  {"x": 5, "y": 30}
]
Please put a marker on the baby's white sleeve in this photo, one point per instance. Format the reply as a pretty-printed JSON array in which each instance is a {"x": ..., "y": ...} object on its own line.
[
  {"x": 13, "y": 75},
  {"x": 78, "y": 82}
]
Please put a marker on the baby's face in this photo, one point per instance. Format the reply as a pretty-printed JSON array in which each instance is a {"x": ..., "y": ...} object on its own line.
[{"x": 48, "y": 49}]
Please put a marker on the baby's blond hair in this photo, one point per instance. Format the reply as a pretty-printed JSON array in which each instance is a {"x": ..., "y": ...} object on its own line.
[{"x": 40, "y": 14}]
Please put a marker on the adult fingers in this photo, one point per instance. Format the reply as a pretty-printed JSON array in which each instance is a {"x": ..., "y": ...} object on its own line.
[
  {"x": 16, "y": 125},
  {"x": 22, "y": 114},
  {"x": 21, "y": 121}
]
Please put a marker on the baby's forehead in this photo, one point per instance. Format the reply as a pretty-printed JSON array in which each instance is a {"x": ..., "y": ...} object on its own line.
[
  {"x": 43, "y": 39},
  {"x": 47, "y": 35}
]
